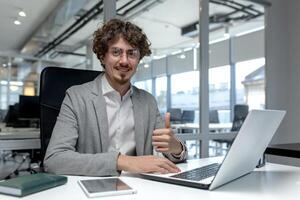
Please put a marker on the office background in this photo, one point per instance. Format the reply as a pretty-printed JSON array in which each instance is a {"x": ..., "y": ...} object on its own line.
[{"x": 252, "y": 58}]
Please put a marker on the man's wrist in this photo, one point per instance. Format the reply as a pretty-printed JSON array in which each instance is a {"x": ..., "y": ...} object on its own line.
[
  {"x": 122, "y": 162},
  {"x": 179, "y": 153}
]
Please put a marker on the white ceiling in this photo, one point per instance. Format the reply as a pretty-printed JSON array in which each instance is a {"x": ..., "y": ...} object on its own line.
[
  {"x": 162, "y": 23},
  {"x": 13, "y": 37}
]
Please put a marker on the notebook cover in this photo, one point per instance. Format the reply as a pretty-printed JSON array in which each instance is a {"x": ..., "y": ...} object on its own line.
[{"x": 24, "y": 185}]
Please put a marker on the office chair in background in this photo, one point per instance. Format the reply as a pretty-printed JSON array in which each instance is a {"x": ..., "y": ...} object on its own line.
[
  {"x": 188, "y": 116},
  {"x": 53, "y": 84},
  {"x": 175, "y": 115},
  {"x": 214, "y": 117},
  {"x": 240, "y": 112}
]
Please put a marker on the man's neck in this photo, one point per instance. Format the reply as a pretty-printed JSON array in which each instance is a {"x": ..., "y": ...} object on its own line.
[{"x": 121, "y": 88}]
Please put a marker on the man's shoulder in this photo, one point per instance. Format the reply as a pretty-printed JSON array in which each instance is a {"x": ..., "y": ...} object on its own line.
[{"x": 84, "y": 89}]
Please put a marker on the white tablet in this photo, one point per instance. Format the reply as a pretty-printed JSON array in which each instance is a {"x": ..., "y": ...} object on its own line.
[{"x": 105, "y": 187}]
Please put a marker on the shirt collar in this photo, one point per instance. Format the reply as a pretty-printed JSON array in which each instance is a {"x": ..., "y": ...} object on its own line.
[{"x": 107, "y": 88}]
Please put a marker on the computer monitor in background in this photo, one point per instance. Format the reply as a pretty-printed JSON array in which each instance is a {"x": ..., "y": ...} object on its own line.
[
  {"x": 12, "y": 114},
  {"x": 29, "y": 110},
  {"x": 29, "y": 107}
]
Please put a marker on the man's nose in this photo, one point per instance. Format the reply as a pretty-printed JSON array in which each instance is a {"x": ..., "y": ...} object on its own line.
[{"x": 124, "y": 58}]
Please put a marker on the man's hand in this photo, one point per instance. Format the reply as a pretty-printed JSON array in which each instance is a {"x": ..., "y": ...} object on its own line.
[
  {"x": 164, "y": 140},
  {"x": 146, "y": 164}
]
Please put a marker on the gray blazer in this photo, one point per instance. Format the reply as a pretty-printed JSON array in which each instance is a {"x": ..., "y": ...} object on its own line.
[{"x": 79, "y": 142}]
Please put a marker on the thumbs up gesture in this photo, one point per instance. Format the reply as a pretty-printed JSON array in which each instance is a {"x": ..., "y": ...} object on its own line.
[{"x": 164, "y": 140}]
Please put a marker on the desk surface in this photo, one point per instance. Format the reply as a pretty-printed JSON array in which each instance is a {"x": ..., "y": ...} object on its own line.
[{"x": 270, "y": 182}]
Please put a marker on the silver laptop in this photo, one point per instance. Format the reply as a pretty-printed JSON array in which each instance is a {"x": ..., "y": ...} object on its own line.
[{"x": 242, "y": 158}]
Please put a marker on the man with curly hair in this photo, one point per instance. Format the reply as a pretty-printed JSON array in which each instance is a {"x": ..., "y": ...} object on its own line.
[{"x": 108, "y": 125}]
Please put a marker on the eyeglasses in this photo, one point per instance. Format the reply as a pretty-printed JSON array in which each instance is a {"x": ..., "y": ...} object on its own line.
[{"x": 133, "y": 54}]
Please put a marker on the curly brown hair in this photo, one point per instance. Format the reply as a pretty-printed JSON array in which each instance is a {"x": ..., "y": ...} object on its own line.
[{"x": 113, "y": 30}]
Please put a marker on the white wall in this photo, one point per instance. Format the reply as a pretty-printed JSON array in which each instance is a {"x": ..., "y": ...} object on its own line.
[
  {"x": 282, "y": 66},
  {"x": 283, "y": 71}
]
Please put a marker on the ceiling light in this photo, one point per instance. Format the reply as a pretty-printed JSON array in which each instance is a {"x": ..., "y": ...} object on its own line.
[
  {"x": 22, "y": 13},
  {"x": 3, "y": 82},
  {"x": 13, "y": 88},
  {"x": 146, "y": 65},
  {"x": 17, "y": 22},
  {"x": 182, "y": 56},
  {"x": 4, "y": 65}
]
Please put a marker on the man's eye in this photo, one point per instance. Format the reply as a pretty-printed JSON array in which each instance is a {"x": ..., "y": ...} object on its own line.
[
  {"x": 116, "y": 52},
  {"x": 131, "y": 53}
]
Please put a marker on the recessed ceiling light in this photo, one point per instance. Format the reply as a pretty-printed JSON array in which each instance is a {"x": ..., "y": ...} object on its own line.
[
  {"x": 182, "y": 56},
  {"x": 22, "y": 13},
  {"x": 17, "y": 22}
]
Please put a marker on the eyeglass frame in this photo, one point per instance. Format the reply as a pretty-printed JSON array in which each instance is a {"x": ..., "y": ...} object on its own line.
[{"x": 120, "y": 52}]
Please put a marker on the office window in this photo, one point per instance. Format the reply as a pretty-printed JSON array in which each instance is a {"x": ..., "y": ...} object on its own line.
[
  {"x": 185, "y": 90},
  {"x": 250, "y": 83},
  {"x": 219, "y": 94},
  {"x": 161, "y": 93},
  {"x": 144, "y": 85},
  {"x": 219, "y": 147},
  {"x": 3, "y": 97},
  {"x": 193, "y": 147}
]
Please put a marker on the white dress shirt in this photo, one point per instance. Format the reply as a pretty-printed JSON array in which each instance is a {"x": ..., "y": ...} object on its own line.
[
  {"x": 120, "y": 119},
  {"x": 121, "y": 122}
]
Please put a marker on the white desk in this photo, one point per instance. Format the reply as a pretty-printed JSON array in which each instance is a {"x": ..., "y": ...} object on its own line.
[
  {"x": 271, "y": 182},
  {"x": 19, "y": 138},
  {"x": 220, "y": 127}
]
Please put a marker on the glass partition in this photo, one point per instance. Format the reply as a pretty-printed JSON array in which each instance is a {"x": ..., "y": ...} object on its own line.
[{"x": 236, "y": 68}]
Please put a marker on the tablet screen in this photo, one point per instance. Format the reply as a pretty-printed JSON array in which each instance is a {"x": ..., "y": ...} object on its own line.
[{"x": 104, "y": 185}]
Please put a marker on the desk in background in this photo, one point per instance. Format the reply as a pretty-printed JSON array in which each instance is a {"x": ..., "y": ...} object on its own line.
[
  {"x": 287, "y": 150},
  {"x": 213, "y": 127},
  {"x": 19, "y": 138},
  {"x": 271, "y": 182}
]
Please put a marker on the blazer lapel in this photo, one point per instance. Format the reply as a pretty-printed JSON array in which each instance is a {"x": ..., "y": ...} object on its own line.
[
  {"x": 138, "y": 123},
  {"x": 101, "y": 113}
]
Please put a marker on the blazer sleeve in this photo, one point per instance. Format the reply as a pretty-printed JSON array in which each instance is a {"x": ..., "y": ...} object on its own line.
[{"x": 61, "y": 155}]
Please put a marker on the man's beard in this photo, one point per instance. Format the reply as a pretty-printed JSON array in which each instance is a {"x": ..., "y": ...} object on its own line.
[{"x": 123, "y": 78}]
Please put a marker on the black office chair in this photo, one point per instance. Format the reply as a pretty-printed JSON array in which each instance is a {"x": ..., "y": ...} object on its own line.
[
  {"x": 175, "y": 115},
  {"x": 53, "y": 84},
  {"x": 240, "y": 112},
  {"x": 188, "y": 116},
  {"x": 214, "y": 117}
]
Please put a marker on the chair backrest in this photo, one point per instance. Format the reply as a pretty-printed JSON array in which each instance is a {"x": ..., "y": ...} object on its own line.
[
  {"x": 53, "y": 84},
  {"x": 188, "y": 116},
  {"x": 240, "y": 113},
  {"x": 175, "y": 114},
  {"x": 214, "y": 116}
]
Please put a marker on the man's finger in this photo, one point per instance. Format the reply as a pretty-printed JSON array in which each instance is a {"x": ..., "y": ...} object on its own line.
[
  {"x": 173, "y": 166},
  {"x": 161, "y": 131},
  {"x": 162, "y": 149},
  {"x": 167, "y": 120},
  {"x": 160, "y": 144}
]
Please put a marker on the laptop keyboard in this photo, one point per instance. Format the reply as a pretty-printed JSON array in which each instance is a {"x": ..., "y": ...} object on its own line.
[{"x": 199, "y": 173}]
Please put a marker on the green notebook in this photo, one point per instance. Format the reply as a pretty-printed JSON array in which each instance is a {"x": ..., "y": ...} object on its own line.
[{"x": 24, "y": 185}]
